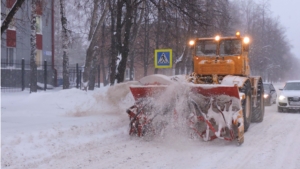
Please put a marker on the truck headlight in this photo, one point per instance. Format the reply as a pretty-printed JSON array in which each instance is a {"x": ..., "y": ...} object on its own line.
[
  {"x": 246, "y": 40},
  {"x": 266, "y": 95},
  {"x": 281, "y": 97},
  {"x": 192, "y": 43}
]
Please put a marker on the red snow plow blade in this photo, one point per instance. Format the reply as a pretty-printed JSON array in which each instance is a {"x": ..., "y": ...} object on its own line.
[
  {"x": 147, "y": 91},
  {"x": 207, "y": 90},
  {"x": 214, "y": 111},
  {"x": 232, "y": 91}
]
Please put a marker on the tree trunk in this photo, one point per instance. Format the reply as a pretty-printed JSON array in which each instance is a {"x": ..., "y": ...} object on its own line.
[
  {"x": 93, "y": 46},
  {"x": 177, "y": 42},
  {"x": 113, "y": 53},
  {"x": 125, "y": 48},
  {"x": 94, "y": 20},
  {"x": 136, "y": 30},
  {"x": 178, "y": 65},
  {"x": 116, "y": 33},
  {"x": 184, "y": 60},
  {"x": 146, "y": 47},
  {"x": 105, "y": 80},
  {"x": 93, "y": 26},
  {"x": 158, "y": 30},
  {"x": 65, "y": 41},
  {"x": 33, "y": 66},
  {"x": 186, "y": 51},
  {"x": 146, "y": 41},
  {"x": 93, "y": 71}
]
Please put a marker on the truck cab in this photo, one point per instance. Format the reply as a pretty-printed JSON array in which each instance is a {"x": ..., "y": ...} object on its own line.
[{"x": 220, "y": 56}]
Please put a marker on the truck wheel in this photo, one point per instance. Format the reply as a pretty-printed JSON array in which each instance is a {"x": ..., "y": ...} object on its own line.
[
  {"x": 247, "y": 104},
  {"x": 259, "y": 110},
  {"x": 279, "y": 109}
]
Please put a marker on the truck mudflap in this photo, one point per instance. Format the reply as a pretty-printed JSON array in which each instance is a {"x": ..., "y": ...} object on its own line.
[{"x": 209, "y": 111}]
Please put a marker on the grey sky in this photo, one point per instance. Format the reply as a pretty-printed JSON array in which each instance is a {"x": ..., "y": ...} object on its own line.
[{"x": 288, "y": 12}]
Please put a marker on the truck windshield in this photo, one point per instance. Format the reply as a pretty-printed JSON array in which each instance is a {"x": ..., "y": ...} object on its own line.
[
  {"x": 230, "y": 47},
  {"x": 206, "y": 48}
]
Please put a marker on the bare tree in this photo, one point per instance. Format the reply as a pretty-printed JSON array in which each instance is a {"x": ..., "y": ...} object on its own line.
[
  {"x": 136, "y": 29},
  {"x": 130, "y": 5},
  {"x": 90, "y": 61},
  {"x": 33, "y": 66},
  {"x": 132, "y": 31},
  {"x": 65, "y": 41},
  {"x": 115, "y": 8},
  {"x": 102, "y": 56},
  {"x": 146, "y": 43},
  {"x": 269, "y": 47}
]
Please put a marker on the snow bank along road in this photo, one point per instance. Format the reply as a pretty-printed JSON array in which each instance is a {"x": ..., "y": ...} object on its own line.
[{"x": 76, "y": 129}]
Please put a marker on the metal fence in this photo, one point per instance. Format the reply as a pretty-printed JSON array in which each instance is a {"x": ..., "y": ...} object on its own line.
[
  {"x": 16, "y": 77},
  {"x": 13, "y": 76}
]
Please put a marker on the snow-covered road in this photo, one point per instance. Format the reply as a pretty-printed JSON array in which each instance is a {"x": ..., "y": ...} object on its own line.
[{"x": 75, "y": 129}]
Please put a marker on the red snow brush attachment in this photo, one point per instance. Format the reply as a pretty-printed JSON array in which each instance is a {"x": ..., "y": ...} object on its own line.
[
  {"x": 210, "y": 110},
  {"x": 216, "y": 113}
]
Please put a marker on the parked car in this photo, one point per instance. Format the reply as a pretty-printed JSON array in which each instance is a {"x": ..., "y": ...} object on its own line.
[
  {"x": 289, "y": 98},
  {"x": 270, "y": 95}
]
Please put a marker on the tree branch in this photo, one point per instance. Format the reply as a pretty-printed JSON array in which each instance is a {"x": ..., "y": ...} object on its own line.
[{"x": 10, "y": 15}]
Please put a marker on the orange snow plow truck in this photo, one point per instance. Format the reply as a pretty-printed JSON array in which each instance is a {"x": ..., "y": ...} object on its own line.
[{"x": 218, "y": 100}]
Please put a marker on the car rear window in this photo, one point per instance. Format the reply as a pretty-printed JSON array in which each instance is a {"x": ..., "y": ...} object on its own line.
[
  {"x": 266, "y": 87},
  {"x": 292, "y": 86}
]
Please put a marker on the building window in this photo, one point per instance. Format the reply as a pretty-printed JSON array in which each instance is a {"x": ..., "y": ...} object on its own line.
[
  {"x": 39, "y": 7},
  {"x": 10, "y": 56},
  {"x": 127, "y": 74},
  {"x": 11, "y": 38},
  {"x": 39, "y": 24},
  {"x": 39, "y": 58}
]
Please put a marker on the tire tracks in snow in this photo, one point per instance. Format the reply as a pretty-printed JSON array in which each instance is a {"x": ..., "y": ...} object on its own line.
[
  {"x": 267, "y": 136},
  {"x": 255, "y": 140},
  {"x": 60, "y": 140}
]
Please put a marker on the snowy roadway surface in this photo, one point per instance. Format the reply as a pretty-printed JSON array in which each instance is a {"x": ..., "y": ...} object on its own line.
[{"x": 74, "y": 129}]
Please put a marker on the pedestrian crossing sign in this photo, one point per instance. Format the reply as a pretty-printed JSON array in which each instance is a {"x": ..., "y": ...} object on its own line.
[{"x": 163, "y": 58}]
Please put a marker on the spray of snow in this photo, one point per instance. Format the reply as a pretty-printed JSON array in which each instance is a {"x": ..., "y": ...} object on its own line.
[{"x": 119, "y": 94}]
